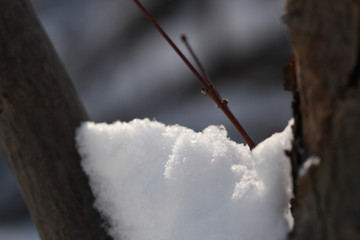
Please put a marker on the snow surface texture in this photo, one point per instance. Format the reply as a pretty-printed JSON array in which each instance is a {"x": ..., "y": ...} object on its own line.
[{"x": 153, "y": 181}]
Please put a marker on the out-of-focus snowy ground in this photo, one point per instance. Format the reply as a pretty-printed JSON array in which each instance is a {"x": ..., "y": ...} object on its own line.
[
  {"x": 123, "y": 69},
  {"x": 21, "y": 230}
]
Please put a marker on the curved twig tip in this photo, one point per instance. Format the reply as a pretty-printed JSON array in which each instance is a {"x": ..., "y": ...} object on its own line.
[{"x": 183, "y": 37}]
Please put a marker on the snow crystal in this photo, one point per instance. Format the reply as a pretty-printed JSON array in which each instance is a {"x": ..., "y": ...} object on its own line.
[{"x": 153, "y": 181}]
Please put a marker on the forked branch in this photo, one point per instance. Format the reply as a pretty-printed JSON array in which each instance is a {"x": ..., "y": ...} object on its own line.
[{"x": 208, "y": 87}]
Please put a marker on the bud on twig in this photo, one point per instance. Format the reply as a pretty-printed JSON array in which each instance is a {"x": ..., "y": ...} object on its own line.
[{"x": 208, "y": 88}]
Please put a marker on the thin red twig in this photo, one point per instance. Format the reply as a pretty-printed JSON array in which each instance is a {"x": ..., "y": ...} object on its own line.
[
  {"x": 208, "y": 87},
  {"x": 221, "y": 103},
  {"x": 172, "y": 44},
  {"x": 202, "y": 69}
]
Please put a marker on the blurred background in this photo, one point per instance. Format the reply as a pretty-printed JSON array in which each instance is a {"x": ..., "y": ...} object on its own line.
[{"x": 123, "y": 69}]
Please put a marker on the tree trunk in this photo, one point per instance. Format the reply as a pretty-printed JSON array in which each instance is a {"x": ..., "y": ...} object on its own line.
[
  {"x": 325, "y": 40},
  {"x": 39, "y": 112}
]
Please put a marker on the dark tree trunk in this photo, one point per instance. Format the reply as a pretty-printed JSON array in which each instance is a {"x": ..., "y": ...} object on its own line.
[
  {"x": 325, "y": 38},
  {"x": 39, "y": 112}
]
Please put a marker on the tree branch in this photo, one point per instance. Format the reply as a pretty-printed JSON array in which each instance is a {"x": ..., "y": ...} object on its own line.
[
  {"x": 325, "y": 39},
  {"x": 39, "y": 112}
]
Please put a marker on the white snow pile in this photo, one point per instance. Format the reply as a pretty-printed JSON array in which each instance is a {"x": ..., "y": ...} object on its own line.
[{"x": 153, "y": 181}]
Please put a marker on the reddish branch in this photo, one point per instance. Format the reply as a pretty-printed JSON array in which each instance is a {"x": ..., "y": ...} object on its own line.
[{"x": 208, "y": 87}]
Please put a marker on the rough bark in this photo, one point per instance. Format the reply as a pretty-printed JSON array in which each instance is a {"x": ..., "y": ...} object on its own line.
[
  {"x": 39, "y": 112},
  {"x": 325, "y": 40}
]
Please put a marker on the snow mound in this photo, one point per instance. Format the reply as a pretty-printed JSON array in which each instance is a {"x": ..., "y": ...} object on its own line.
[{"x": 153, "y": 181}]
